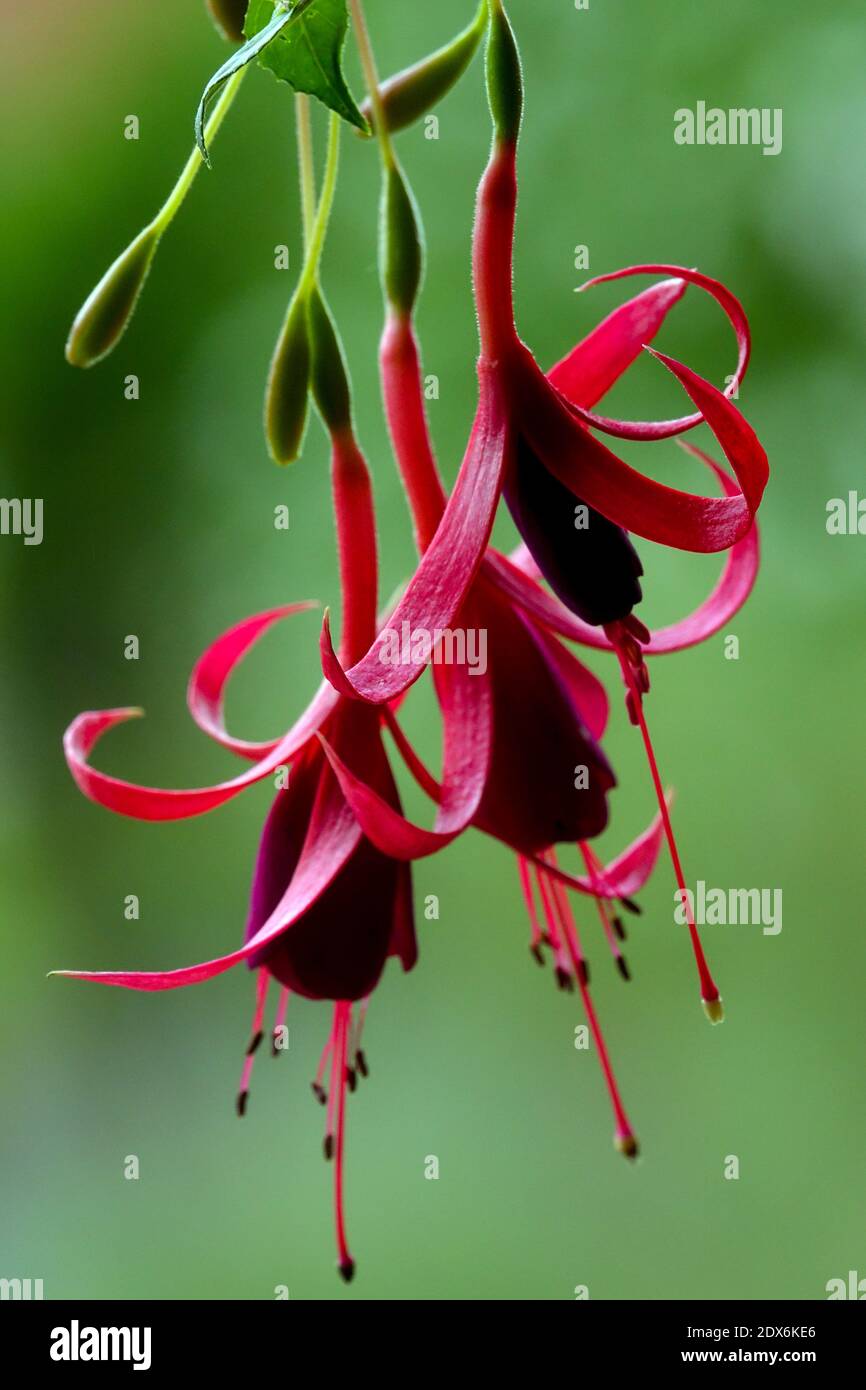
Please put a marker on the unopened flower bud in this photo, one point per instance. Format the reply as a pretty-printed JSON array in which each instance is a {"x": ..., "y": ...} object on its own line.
[
  {"x": 328, "y": 374},
  {"x": 409, "y": 95},
  {"x": 401, "y": 251},
  {"x": 288, "y": 386},
  {"x": 101, "y": 320},
  {"x": 504, "y": 77},
  {"x": 228, "y": 16}
]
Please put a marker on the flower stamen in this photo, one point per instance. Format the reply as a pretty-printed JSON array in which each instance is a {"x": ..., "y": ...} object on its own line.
[
  {"x": 537, "y": 936},
  {"x": 624, "y": 1137},
  {"x": 342, "y": 1027},
  {"x": 317, "y": 1085},
  {"x": 355, "y": 1049},
  {"x": 636, "y": 687},
  {"x": 612, "y": 934},
  {"x": 262, "y": 982},
  {"x": 280, "y": 1022},
  {"x": 562, "y": 962}
]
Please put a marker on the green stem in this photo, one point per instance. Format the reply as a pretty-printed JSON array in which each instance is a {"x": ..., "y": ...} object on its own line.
[
  {"x": 305, "y": 162},
  {"x": 310, "y": 272},
  {"x": 371, "y": 77},
  {"x": 173, "y": 202}
]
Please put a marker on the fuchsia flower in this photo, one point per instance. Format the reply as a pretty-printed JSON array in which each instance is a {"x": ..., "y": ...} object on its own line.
[
  {"x": 332, "y": 896},
  {"x": 327, "y": 907},
  {"x": 531, "y": 440}
]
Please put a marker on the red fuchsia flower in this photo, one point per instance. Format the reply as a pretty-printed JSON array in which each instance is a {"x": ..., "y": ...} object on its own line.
[
  {"x": 328, "y": 906},
  {"x": 548, "y": 712},
  {"x": 531, "y": 440}
]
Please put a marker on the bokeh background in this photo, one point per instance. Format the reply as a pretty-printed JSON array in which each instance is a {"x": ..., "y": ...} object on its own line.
[{"x": 158, "y": 522}]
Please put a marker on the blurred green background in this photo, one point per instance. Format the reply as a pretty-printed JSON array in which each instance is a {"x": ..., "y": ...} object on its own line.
[{"x": 158, "y": 522}]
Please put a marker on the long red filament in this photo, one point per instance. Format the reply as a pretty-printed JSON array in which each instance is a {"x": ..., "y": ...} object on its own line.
[
  {"x": 709, "y": 989},
  {"x": 624, "y": 1134},
  {"x": 342, "y": 1025},
  {"x": 262, "y": 982},
  {"x": 591, "y": 863},
  {"x": 280, "y": 1021},
  {"x": 536, "y": 934},
  {"x": 560, "y": 953}
]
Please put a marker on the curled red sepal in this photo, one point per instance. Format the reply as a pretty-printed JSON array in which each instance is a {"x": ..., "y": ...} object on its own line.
[
  {"x": 158, "y": 803},
  {"x": 661, "y": 429},
  {"x": 332, "y": 836},
  {"x": 211, "y": 673},
  {"x": 597, "y": 477},
  {"x": 597, "y": 362},
  {"x": 516, "y": 576},
  {"x": 449, "y": 565}
]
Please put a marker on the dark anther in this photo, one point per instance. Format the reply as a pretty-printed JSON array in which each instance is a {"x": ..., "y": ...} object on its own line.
[
  {"x": 583, "y": 972},
  {"x": 619, "y": 927},
  {"x": 622, "y": 967},
  {"x": 319, "y": 1092},
  {"x": 631, "y": 906},
  {"x": 351, "y": 1078},
  {"x": 535, "y": 952},
  {"x": 241, "y": 1103},
  {"x": 328, "y": 1146},
  {"x": 347, "y": 1270},
  {"x": 254, "y": 1042},
  {"x": 361, "y": 1062}
]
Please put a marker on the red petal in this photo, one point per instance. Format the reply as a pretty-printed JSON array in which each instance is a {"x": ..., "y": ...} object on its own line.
[
  {"x": 449, "y": 565},
  {"x": 211, "y": 673},
  {"x": 663, "y": 429},
  {"x": 587, "y": 691},
  {"x": 599, "y": 360},
  {"x": 659, "y": 513}
]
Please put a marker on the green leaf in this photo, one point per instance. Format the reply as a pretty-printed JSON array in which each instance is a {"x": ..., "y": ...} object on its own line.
[
  {"x": 308, "y": 55},
  {"x": 280, "y": 15}
]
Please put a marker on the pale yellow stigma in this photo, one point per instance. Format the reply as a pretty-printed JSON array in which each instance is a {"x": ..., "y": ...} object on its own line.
[{"x": 714, "y": 1010}]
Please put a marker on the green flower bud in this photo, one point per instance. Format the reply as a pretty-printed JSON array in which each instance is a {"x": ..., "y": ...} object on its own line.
[
  {"x": 329, "y": 377},
  {"x": 288, "y": 386},
  {"x": 228, "y": 16},
  {"x": 504, "y": 77},
  {"x": 401, "y": 250},
  {"x": 409, "y": 95},
  {"x": 103, "y": 317}
]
